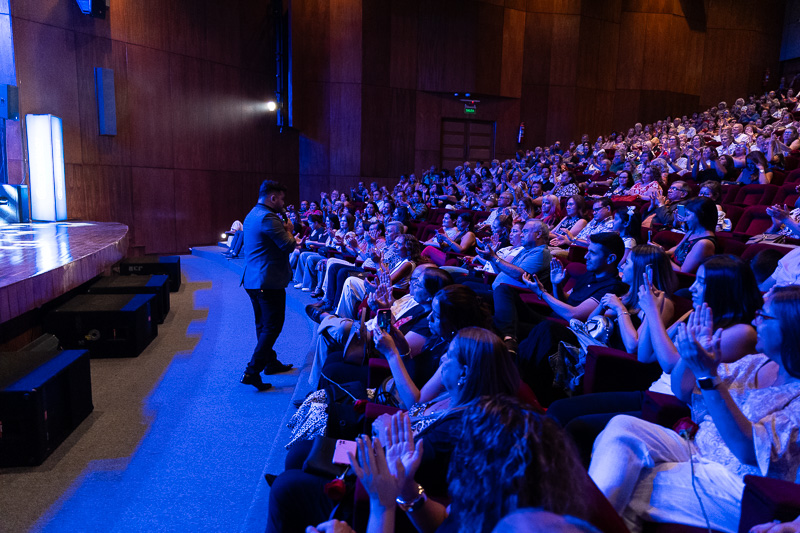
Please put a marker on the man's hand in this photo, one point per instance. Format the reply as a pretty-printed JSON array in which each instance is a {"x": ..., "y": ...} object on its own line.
[{"x": 557, "y": 271}]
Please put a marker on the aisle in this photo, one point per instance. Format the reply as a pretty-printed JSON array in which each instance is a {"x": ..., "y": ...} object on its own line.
[{"x": 175, "y": 442}]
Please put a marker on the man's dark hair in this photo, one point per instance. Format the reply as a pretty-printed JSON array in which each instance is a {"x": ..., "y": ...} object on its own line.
[
  {"x": 605, "y": 201},
  {"x": 435, "y": 279},
  {"x": 611, "y": 243},
  {"x": 269, "y": 187},
  {"x": 764, "y": 263},
  {"x": 316, "y": 218}
]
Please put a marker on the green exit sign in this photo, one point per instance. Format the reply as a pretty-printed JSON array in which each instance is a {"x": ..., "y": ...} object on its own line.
[{"x": 470, "y": 110}]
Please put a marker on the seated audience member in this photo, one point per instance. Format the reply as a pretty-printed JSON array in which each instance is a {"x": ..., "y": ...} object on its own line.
[
  {"x": 624, "y": 182},
  {"x": 409, "y": 312},
  {"x": 551, "y": 211},
  {"x": 726, "y": 286},
  {"x": 504, "y": 202},
  {"x": 449, "y": 232},
  {"x": 711, "y": 189},
  {"x": 755, "y": 170},
  {"x": 625, "y": 311},
  {"x": 355, "y": 288},
  {"x": 533, "y": 258},
  {"x": 499, "y": 435},
  {"x": 565, "y": 185},
  {"x": 628, "y": 223},
  {"x": 602, "y": 222},
  {"x": 572, "y": 223},
  {"x": 476, "y": 364},
  {"x": 748, "y": 413},
  {"x": 417, "y": 208},
  {"x": 662, "y": 210},
  {"x": 514, "y": 319},
  {"x": 764, "y": 263},
  {"x": 315, "y": 238},
  {"x": 699, "y": 242},
  {"x": 649, "y": 186},
  {"x": 312, "y": 254}
]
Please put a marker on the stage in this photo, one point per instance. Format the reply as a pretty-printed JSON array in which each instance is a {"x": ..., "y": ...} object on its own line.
[{"x": 41, "y": 261}]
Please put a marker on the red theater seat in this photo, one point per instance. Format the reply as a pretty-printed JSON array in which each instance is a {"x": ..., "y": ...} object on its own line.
[{"x": 756, "y": 194}]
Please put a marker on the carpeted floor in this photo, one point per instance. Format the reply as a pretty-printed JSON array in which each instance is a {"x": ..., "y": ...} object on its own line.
[{"x": 175, "y": 443}]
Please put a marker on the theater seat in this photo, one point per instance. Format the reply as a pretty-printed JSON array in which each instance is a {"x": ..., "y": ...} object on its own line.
[
  {"x": 787, "y": 194},
  {"x": 756, "y": 194},
  {"x": 733, "y": 212},
  {"x": 792, "y": 177},
  {"x": 754, "y": 221},
  {"x": 752, "y": 249}
]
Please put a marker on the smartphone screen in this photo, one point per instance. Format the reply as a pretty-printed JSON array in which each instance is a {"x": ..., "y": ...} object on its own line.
[
  {"x": 648, "y": 269},
  {"x": 384, "y": 319},
  {"x": 681, "y": 211}
]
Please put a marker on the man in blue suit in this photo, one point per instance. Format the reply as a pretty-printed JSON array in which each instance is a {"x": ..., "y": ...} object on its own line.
[{"x": 268, "y": 241}]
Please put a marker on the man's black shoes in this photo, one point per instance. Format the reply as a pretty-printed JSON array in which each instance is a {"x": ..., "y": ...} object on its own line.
[
  {"x": 255, "y": 380},
  {"x": 277, "y": 367}
]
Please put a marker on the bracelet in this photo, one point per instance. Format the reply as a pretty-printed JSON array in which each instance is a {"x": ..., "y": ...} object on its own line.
[
  {"x": 415, "y": 504},
  {"x": 624, "y": 313}
]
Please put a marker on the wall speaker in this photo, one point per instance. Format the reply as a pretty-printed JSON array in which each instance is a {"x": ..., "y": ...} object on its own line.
[
  {"x": 9, "y": 102},
  {"x": 95, "y": 8},
  {"x": 106, "y": 103}
]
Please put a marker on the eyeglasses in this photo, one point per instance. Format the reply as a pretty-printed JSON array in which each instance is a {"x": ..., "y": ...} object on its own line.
[{"x": 763, "y": 316}]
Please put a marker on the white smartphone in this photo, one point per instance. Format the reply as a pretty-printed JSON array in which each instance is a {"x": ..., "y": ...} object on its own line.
[{"x": 343, "y": 447}]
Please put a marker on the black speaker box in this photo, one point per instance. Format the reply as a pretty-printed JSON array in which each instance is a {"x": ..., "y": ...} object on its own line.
[
  {"x": 44, "y": 396},
  {"x": 157, "y": 285},
  {"x": 108, "y": 325},
  {"x": 149, "y": 265}
]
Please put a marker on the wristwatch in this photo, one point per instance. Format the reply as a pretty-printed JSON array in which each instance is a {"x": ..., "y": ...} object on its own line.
[
  {"x": 415, "y": 504},
  {"x": 708, "y": 383}
]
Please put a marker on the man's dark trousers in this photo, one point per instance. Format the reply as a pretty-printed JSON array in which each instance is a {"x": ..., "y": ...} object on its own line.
[{"x": 269, "y": 307}]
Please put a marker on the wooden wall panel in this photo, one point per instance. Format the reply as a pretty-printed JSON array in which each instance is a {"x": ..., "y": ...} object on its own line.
[
  {"x": 110, "y": 192},
  {"x": 154, "y": 209},
  {"x": 194, "y": 190},
  {"x": 223, "y": 44},
  {"x": 561, "y": 113},
  {"x": 401, "y": 129},
  {"x": 403, "y": 43},
  {"x": 93, "y": 52},
  {"x": 376, "y": 45},
  {"x": 143, "y": 22},
  {"x": 650, "y": 6},
  {"x": 225, "y": 117},
  {"x": 346, "y": 53},
  {"x": 189, "y": 37},
  {"x": 490, "y": 60},
  {"x": 630, "y": 55},
  {"x": 345, "y": 125},
  {"x": 45, "y": 58},
  {"x": 534, "y": 112},
  {"x": 190, "y": 113},
  {"x": 376, "y": 115},
  {"x": 538, "y": 49},
  {"x": 428, "y": 121},
  {"x": 513, "y": 47},
  {"x": 315, "y": 138},
  {"x": 565, "y": 49},
  {"x": 566, "y": 7},
  {"x": 258, "y": 129},
  {"x": 150, "y": 104},
  {"x": 78, "y": 206}
]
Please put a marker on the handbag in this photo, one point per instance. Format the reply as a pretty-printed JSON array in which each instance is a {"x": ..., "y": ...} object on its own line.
[{"x": 357, "y": 349}]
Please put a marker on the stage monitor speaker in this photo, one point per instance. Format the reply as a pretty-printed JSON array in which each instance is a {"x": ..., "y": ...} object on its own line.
[
  {"x": 150, "y": 264},
  {"x": 108, "y": 325},
  {"x": 157, "y": 285},
  {"x": 14, "y": 204},
  {"x": 106, "y": 103},
  {"x": 44, "y": 396},
  {"x": 9, "y": 102}
]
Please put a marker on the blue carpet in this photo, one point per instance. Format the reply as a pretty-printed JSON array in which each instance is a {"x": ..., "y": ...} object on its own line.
[{"x": 207, "y": 440}]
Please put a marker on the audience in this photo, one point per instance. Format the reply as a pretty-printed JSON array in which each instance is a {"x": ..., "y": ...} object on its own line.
[{"x": 502, "y": 222}]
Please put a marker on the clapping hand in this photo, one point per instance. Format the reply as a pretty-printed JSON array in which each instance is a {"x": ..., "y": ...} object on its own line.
[
  {"x": 698, "y": 347},
  {"x": 612, "y": 302},
  {"x": 532, "y": 282},
  {"x": 374, "y": 472},
  {"x": 777, "y": 213},
  {"x": 557, "y": 271},
  {"x": 402, "y": 450}
]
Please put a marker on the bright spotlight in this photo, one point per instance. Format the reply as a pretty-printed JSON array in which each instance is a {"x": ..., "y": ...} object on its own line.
[{"x": 271, "y": 106}]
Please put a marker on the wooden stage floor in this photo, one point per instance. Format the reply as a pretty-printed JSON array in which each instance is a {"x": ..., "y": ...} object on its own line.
[{"x": 41, "y": 261}]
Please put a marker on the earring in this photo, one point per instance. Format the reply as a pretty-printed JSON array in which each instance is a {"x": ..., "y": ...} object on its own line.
[{"x": 462, "y": 381}]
